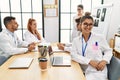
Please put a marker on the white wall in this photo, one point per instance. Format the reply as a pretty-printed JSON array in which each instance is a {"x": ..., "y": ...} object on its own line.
[
  {"x": 115, "y": 18},
  {"x": 51, "y": 27},
  {"x": 108, "y": 1},
  {"x": 51, "y": 23}
]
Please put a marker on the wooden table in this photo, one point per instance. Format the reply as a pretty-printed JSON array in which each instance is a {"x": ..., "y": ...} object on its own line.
[{"x": 34, "y": 73}]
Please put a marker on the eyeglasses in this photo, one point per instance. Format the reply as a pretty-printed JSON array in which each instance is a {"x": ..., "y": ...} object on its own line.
[{"x": 88, "y": 24}]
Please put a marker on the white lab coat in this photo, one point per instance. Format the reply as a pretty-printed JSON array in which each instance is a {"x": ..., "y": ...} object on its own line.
[
  {"x": 29, "y": 37},
  {"x": 75, "y": 32},
  {"x": 92, "y": 54},
  {"x": 68, "y": 46},
  {"x": 9, "y": 47}
]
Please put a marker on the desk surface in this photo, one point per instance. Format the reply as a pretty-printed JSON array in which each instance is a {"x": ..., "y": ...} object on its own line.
[{"x": 34, "y": 73}]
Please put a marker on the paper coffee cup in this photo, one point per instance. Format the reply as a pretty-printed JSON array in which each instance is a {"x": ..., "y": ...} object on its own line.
[{"x": 43, "y": 63}]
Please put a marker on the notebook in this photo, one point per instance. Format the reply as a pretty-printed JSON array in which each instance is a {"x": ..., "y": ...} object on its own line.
[
  {"x": 61, "y": 61},
  {"x": 21, "y": 63}
]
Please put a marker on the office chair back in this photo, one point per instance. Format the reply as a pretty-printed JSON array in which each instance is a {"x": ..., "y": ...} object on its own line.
[
  {"x": 114, "y": 69},
  {"x": 2, "y": 59}
]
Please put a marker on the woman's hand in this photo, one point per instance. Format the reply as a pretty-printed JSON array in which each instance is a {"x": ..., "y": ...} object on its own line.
[
  {"x": 93, "y": 63},
  {"x": 61, "y": 46},
  {"x": 38, "y": 34},
  {"x": 31, "y": 46},
  {"x": 101, "y": 65}
]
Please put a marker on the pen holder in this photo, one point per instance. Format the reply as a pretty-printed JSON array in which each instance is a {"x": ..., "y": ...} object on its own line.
[{"x": 42, "y": 50}]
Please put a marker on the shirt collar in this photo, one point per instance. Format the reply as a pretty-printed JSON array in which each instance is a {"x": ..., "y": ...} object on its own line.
[
  {"x": 81, "y": 35},
  {"x": 11, "y": 33}
]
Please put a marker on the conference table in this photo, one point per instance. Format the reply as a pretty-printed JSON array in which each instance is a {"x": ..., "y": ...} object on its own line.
[{"x": 34, "y": 72}]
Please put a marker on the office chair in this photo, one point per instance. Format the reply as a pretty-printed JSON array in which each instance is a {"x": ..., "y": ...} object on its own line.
[
  {"x": 2, "y": 59},
  {"x": 114, "y": 69}
]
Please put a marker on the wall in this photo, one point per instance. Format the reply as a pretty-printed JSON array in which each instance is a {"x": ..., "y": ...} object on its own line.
[
  {"x": 51, "y": 29},
  {"x": 115, "y": 18},
  {"x": 51, "y": 20}
]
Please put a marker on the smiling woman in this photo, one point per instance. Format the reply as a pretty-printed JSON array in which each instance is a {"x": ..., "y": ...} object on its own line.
[{"x": 88, "y": 49}]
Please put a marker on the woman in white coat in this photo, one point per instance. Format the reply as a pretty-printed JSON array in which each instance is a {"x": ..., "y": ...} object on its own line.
[
  {"x": 32, "y": 34},
  {"x": 91, "y": 51},
  {"x": 80, "y": 13},
  {"x": 67, "y": 46}
]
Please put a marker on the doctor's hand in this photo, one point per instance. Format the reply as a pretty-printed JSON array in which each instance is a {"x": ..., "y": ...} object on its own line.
[
  {"x": 31, "y": 46},
  {"x": 93, "y": 63},
  {"x": 61, "y": 46},
  {"x": 101, "y": 65}
]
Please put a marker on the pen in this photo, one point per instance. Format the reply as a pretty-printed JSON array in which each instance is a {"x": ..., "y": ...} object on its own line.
[{"x": 96, "y": 43}]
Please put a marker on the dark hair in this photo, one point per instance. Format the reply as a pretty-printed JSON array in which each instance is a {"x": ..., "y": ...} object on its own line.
[
  {"x": 78, "y": 20},
  {"x": 86, "y": 17},
  {"x": 8, "y": 19},
  {"x": 87, "y": 13},
  {"x": 81, "y": 6}
]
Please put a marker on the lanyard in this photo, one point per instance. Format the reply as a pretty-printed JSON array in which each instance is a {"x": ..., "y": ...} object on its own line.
[{"x": 84, "y": 46}]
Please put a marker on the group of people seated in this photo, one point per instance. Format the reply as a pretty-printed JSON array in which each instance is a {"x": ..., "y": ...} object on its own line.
[
  {"x": 87, "y": 48},
  {"x": 10, "y": 42}
]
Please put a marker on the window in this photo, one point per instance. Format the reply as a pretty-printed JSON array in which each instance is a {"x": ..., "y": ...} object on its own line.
[{"x": 18, "y": 9}]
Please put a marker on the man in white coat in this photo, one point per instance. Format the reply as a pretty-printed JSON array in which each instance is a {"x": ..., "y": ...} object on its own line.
[
  {"x": 9, "y": 42},
  {"x": 91, "y": 51}
]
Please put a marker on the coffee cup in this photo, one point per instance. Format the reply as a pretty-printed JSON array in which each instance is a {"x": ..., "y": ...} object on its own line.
[{"x": 43, "y": 63}]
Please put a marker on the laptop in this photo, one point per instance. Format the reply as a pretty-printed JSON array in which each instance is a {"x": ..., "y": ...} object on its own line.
[
  {"x": 21, "y": 63},
  {"x": 56, "y": 49},
  {"x": 61, "y": 61}
]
